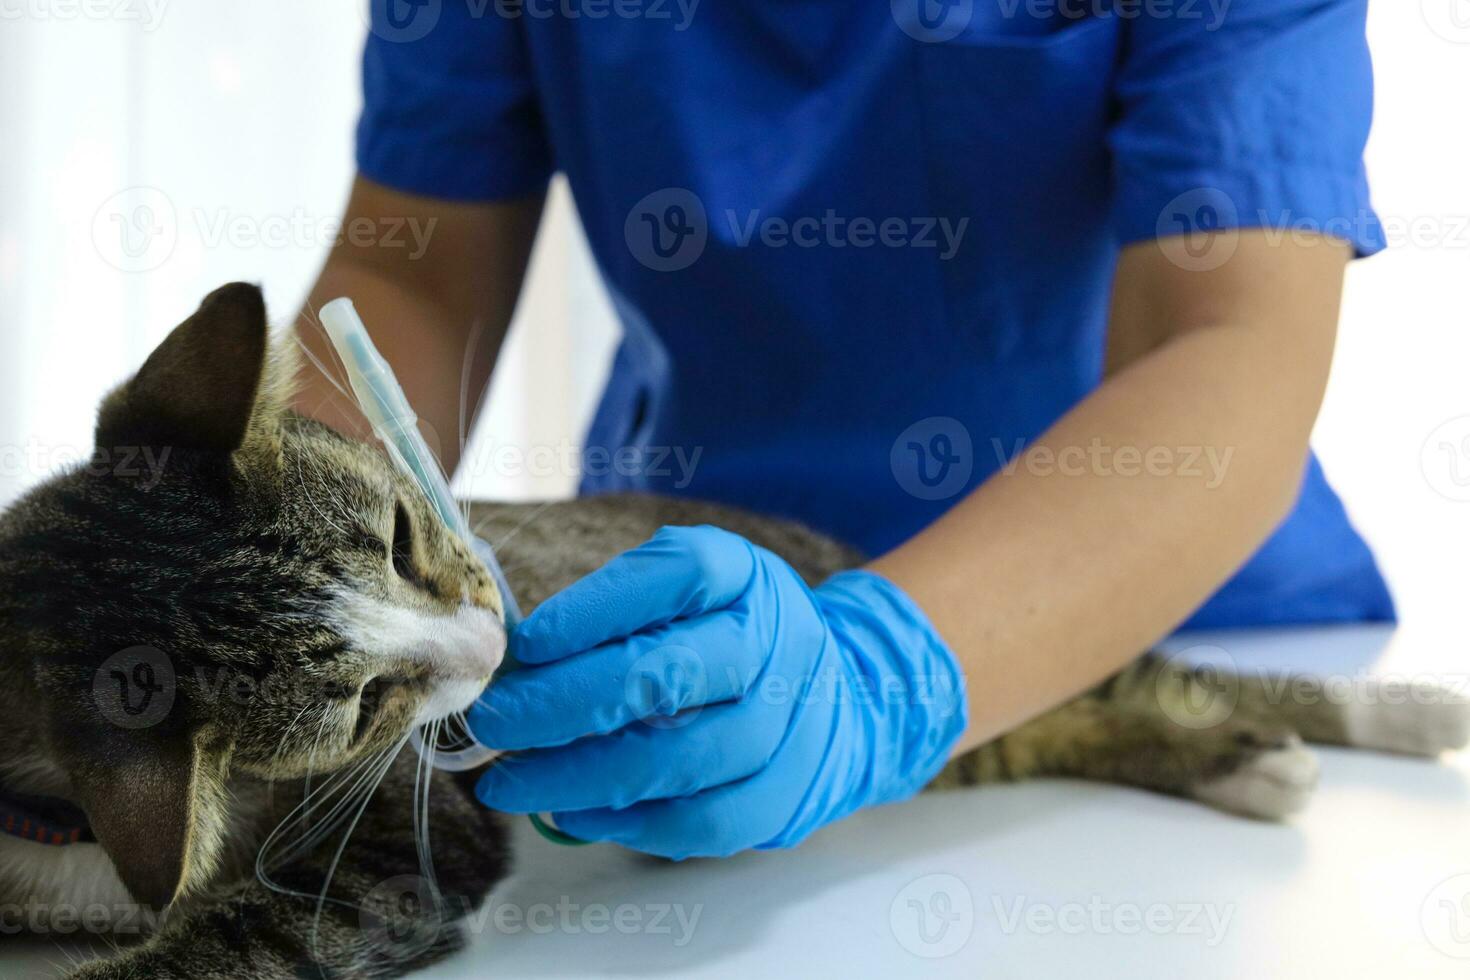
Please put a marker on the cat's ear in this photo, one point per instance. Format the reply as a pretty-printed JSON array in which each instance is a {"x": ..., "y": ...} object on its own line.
[
  {"x": 199, "y": 388},
  {"x": 158, "y": 807}
]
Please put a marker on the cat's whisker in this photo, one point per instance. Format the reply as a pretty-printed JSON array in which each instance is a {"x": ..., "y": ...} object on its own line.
[
  {"x": 497, "y": 545},
  {"x": 301, "y": 815},
  {"x": 422, "y": 782},
  {"x": 374, "y": 768},
  {"x": 311, "y": 501},
  {"x": 472, "y": 343},
  {"x": 337, "y": 372},
  {"x": 298, "y": 819},
  {"x": 316, "y": 362},
  {"x": 367, "y": 797}
]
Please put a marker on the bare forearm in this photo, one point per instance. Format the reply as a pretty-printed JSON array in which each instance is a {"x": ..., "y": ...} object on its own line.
[
  {"x": 1122, "y": 518},
  {"x": 439, "y": 318}
]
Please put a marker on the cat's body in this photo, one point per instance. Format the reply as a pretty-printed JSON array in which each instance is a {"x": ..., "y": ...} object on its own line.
[{"x": 277, "y": 568}]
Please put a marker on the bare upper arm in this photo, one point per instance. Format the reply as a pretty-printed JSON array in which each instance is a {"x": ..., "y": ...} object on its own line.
[{"x": 1282, "y": 290}]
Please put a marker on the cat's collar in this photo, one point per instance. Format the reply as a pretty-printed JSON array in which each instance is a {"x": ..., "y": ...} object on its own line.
[{"x": 43, "y": 819}]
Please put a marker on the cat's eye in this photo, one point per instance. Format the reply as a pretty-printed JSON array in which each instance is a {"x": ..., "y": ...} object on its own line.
[{"x": 403, "y": 545}]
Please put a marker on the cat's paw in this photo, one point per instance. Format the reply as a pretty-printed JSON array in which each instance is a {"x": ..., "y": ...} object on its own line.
[
  {"x": 1408, "y": 717},
  {"x": 1272, "y": 780}
]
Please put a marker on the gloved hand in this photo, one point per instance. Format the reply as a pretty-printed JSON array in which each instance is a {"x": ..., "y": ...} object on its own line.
[{"x": 694, "y": 698}]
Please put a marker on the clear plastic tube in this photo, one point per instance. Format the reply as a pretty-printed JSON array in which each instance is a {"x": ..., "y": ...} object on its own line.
[{"x": 384, "y": 405}]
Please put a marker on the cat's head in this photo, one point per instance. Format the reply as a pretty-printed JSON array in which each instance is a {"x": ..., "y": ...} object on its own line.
[{"x": 225, "y": 587}]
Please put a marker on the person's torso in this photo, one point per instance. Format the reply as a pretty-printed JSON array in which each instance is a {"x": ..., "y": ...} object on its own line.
[{"x": 860, "y": 257}]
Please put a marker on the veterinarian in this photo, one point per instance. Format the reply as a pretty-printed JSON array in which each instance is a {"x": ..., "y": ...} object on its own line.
[{"x": 1033, "y": 303}]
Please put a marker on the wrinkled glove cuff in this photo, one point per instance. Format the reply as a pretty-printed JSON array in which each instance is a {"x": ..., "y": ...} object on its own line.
[{"x": 914, "y": 681}]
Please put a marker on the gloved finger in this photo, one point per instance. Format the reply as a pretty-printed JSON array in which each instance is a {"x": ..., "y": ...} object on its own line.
[
  {"x": 651, "y": 675},
  {"x": 716, "y": 822},
  {"x": 678, "y": 573},
  {"x": 698, "y": 749},
  {"x": 769, "y": 808}
]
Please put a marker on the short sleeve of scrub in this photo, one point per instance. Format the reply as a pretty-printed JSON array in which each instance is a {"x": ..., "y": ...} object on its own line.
[
  {"x": 449, "y": 105},
  {"x": 1245, "y": 114}
]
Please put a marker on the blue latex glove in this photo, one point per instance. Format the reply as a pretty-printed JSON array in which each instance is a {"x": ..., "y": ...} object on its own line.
[{"x": 694, "y": 698}]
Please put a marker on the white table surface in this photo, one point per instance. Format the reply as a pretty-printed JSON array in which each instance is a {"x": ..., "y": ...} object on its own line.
[{"x": 1041, "y": 879}]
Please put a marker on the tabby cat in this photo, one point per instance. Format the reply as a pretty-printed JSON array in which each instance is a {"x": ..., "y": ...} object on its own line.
[{"x": 191, "y": 655}]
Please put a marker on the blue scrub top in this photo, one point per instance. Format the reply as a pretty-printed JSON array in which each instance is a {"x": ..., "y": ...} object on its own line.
[{"x": 862, "y": 252}]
